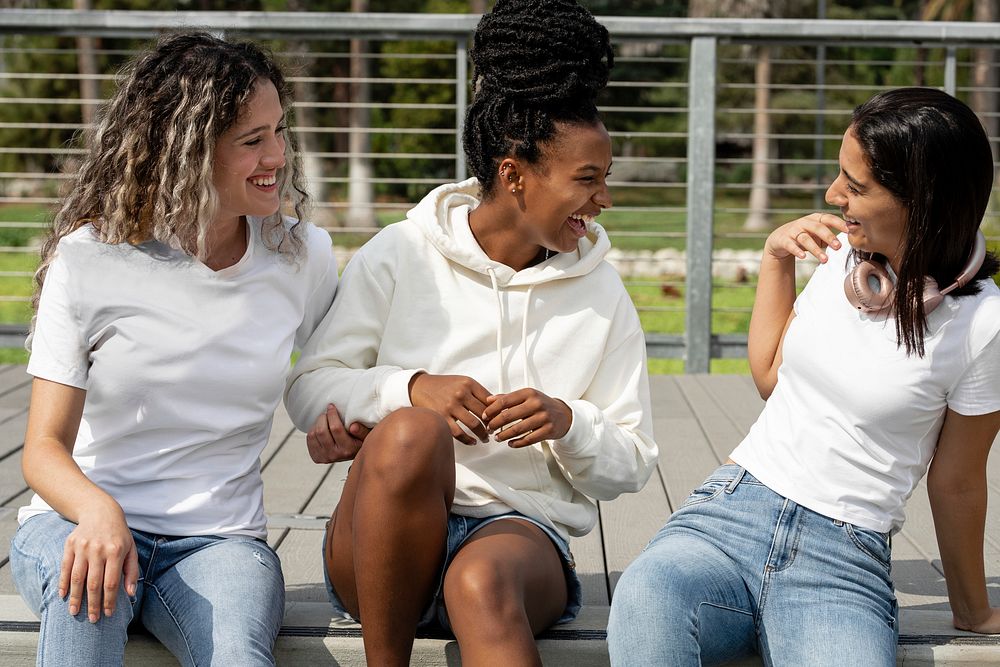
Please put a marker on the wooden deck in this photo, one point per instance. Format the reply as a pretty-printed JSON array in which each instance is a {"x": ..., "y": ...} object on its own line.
[{"x": 698, "y": 420}]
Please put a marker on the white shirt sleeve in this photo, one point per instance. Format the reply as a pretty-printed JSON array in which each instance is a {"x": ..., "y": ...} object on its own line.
[
  {"x": 978, "y": 390},
  {"x": 324, "y": 263},
  {"x": 59, "y": 348}
]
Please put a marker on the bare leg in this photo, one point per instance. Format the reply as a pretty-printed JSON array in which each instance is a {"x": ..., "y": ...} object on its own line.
[
  {"x": 505, "y": 585},
  {"x": 389, "y": 532}
]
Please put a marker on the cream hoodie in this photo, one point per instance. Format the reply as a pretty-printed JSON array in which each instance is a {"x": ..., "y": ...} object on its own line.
[{"x": 422, "y": 295}]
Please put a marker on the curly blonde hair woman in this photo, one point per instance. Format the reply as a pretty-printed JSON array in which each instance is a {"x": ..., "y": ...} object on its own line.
[{"x": 172, "y": 293}]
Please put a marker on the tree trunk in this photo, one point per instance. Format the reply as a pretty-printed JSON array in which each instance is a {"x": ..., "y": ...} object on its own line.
[
  {"x": 984, "y": 73},
  {"x": 360, "y": 191},
  {"x": 86, "y": 64},
  {"x": 759, "y": 194}
]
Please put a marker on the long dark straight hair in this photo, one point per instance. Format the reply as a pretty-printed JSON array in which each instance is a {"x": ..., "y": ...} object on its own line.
[{"x": 930, "y": 151}]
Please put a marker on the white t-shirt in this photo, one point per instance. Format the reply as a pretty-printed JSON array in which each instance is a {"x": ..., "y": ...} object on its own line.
[
  {"x": 183, "y": 368},
  {"x": 853, "y": 422}
]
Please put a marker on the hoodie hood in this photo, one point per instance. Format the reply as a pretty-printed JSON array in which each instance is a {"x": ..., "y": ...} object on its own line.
[{"x": 443, "y": 217}]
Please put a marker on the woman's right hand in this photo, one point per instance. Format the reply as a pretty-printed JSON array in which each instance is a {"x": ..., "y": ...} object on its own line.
[
  {"x": 99, "y": 556},
  {"x": 457, "y": 398},
  {"x": 812, "y": 234}
]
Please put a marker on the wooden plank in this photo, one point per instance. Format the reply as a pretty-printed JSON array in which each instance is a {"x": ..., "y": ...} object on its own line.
[
  {"x": 722, "y": 433},
  {"x": 919, "y": 529},
  {"x": 742, "y": 407},
  {"x": 919, "y": 585},
  {"x": 11, "y": 479},
  {"x": 628, "y": 523},
  {"x": 299, "y": 549},
  {"x": 301, "y": 562},
  {"x": 281, "y": 429},
  {"x": 686, "y": 458},
  {"x": 12, "y": 424},
  {"x": 291, "y": 478},
  {"x": 588, "y": 552}
]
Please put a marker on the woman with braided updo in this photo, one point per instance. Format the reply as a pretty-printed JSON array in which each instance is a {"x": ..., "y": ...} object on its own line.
[
  {"x": 498, "y": 358},
  {"x": 172, "y": 292}
]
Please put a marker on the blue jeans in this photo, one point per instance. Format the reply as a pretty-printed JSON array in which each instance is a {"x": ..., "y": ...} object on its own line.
[
  {"x": 739, "y": 570},
  {"x": 210, "y": 600},
  {"x": 460, "y": 529}
]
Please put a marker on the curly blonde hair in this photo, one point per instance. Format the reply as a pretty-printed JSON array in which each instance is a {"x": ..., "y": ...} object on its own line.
[{"x": 148, "y": 172}]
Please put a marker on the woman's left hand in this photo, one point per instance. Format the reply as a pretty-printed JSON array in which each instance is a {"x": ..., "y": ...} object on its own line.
[
  {"x": 329, "y": 441},
  {"x": 526, "y": 416}
]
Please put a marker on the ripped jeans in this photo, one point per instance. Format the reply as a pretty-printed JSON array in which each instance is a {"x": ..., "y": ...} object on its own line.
[{"x": 210, "y": 600}]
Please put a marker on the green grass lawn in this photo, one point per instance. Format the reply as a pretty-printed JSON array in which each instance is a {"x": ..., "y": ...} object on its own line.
[{"x": 660, "y": 300}]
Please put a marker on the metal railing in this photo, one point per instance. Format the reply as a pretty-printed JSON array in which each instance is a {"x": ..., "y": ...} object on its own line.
[{"x": 380, "y": 99}]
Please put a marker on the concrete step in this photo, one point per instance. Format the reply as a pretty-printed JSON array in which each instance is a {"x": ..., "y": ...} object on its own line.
[{"x": 310, "y": 636}]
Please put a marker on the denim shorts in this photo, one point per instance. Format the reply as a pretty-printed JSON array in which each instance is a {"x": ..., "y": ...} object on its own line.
[{"x": 460, "y": 529}]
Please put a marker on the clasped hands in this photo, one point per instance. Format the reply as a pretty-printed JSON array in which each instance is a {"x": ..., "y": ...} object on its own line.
[{"x": 519, "y": 418}]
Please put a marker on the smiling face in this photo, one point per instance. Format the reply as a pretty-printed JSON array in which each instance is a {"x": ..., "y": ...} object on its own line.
[
  {"x": 567, "y": 187},
  {"x": 876, "y": 220},
  {"x": 248, "y": 156}
]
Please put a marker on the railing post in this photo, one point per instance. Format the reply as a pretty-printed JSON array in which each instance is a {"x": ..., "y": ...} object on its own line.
[
  {"x": 950, "y": 70},
  {"x": 700, "y": 204},
  {"x": 461, "y": 102}
]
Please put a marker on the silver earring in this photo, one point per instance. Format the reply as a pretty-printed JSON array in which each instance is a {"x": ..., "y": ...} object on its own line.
[{"x": 513, "y": 190}]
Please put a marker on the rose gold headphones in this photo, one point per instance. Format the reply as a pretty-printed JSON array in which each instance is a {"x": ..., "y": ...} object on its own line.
[{"x": 859, "y": 290}]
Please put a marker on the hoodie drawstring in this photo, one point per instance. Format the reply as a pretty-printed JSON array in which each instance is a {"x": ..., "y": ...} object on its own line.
[
  {"x": 496, "y": 291},
  {"x": 524, "y": 334},
  {"x": 524, "y": 331}
]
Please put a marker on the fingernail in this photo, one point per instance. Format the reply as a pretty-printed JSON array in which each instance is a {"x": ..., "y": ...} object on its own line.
[
  {"x": 108, "y": 611},
  {"x": 92, "y": 618},
  {"x": 74, "y": 610},
  {"x": 131, "y": 589}
]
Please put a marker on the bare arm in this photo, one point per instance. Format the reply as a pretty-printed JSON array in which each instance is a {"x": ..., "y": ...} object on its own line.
[
  {"x": 101, "y": 548},
  {"x": 772, "y": 309},
  {"x": 956, "y": 484}
]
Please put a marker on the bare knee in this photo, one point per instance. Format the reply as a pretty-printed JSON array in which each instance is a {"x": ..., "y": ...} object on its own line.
[
  {"x": 486, "y": 593},
  {"x": 410, "y": 446}
]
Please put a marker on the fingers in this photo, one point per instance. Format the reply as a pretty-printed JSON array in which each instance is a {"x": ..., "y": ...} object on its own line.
[
  {"x": 526, "y": 417},
  {"x": 65, "y": 579},
  {"x": 328, "y": 441},
  {"x": 359, "y": 431},
  {"x": 813, "y": 234},
  {"x": 131, "y": 571},
  {"x": 319, "y": 440},
  {"x": 81, "y": 578},
  {"x": 112, "y": 576}
]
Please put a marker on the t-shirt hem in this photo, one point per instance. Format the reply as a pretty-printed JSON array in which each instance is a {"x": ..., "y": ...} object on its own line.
[{"x": 836, "y": 512}]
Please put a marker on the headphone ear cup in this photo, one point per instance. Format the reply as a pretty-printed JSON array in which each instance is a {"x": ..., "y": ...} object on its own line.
[
  {"x": 860, "y": 293},
  {"x": 932, "y": 295}
]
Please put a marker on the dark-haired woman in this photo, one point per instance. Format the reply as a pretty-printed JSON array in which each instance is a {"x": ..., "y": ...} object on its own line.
[
  {"x": 785, "y": 550},
  {"x": 172, "y": 294},
  {"x": 499, "y": 359}
]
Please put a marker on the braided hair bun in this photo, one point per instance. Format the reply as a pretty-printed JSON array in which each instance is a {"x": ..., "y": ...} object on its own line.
[{"x": 537, "y": 62}]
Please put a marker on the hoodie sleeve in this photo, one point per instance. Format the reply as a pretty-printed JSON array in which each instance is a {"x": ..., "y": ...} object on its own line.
[
  {"x": 338, "y": 362},
  {"x": 609, "y": 449}
]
